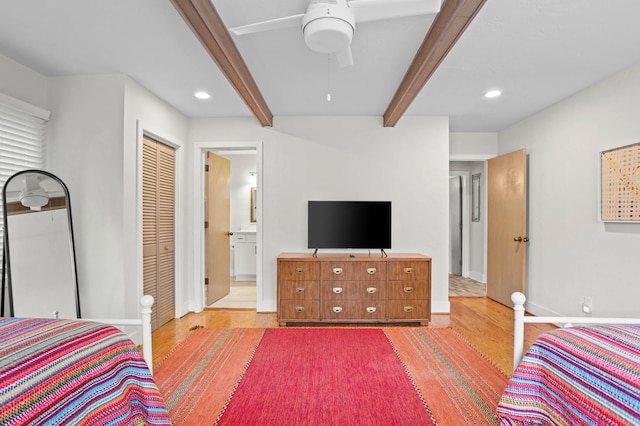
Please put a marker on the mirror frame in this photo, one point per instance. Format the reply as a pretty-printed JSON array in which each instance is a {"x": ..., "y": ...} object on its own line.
[{"x": 6, "y": 258}]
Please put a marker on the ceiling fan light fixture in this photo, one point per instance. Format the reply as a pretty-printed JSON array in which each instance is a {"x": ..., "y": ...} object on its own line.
[
  {"x": 34, "y": 199},
  {"x": 328, "y": 28},
  {"x": 33, "y": 196},
  {"x": 328, "y": 35}
]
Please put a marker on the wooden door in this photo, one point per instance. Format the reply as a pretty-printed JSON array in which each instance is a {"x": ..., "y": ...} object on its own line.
[
  {"x": 217, "y": 232},
  {"x": 158, "y": 228},
  {"x": 507, "y": 225}
]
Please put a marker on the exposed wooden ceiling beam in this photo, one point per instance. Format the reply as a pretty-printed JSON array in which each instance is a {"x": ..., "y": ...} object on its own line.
[
  {"x": 206, "y": 24},
  {"x": 450, "y": 23}
]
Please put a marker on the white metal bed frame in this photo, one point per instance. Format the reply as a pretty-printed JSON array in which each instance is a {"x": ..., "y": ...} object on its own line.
[{"x": 520, "y": 319}]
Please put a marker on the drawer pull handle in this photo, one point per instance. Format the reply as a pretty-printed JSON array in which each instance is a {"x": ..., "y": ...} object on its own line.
[
  {"x": 337, "y": 271},
  {"x": 371, "y": 309},
  {"x": 299, "y": 270},
  {"x": 371, "y": 271},
  {"x": 371, "y": 290},
  {"x": 408, "y": 289},
  {"x": 299, "y": 308},
  {"x": 408, "y": 270},
  {"x": 337, "y": 309},
  {"x": 337, "y": 290},
  {"x": 299, "y": 289},
  {"x": 408, "y": 309}
]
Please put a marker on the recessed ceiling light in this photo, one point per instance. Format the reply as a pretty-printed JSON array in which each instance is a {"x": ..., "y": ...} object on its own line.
[
  {"x": 202, "y": 95},
  {"x": 492, "y": 94}
]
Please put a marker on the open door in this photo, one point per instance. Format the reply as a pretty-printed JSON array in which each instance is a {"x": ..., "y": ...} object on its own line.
[
  {"x": 507, "y": 225},
  {"x": 217, "y": 232}
]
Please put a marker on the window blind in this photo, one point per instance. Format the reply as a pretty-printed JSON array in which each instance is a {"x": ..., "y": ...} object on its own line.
[{"x": 22, "y": 143}]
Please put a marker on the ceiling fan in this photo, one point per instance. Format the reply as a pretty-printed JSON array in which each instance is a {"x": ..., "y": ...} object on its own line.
[{"x": 328, "y": 25}]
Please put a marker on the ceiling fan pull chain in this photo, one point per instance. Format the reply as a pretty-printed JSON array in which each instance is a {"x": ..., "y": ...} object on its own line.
[{"x": 328, "y": 78}]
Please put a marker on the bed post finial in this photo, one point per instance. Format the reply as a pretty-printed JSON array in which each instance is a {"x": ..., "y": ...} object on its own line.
[
  {"x": 518, "y": 300},
  {"x": 146, "y": 302}
]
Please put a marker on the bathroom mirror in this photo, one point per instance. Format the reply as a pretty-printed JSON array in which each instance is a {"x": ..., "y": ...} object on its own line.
[{"x": 39, "y": 278}]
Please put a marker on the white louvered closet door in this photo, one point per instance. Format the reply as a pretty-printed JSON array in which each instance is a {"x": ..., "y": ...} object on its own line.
[{"x": 158, "y": 228}]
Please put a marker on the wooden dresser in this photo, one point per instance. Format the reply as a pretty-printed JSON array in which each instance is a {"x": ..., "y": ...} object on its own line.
[{"x": 343, "y": 289}]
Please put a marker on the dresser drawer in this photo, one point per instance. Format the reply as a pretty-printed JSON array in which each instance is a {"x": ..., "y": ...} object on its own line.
[
  {"x": 408, "y": 309},
  {"x": 354, "y": 271},
  {"x": 354, "y": 309},
  {"x": 399, "y": 270},
  {"x": 298, "y": 271},
  {"x": 407, "y": 290},
  {"x": 292, "y": 310},
  {"x": 299, "y": 290},
  {"x": 349, "y": 290}
]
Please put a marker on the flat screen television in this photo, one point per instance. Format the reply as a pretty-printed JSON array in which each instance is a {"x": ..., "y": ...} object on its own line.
[{"x": 349, "y": 225}]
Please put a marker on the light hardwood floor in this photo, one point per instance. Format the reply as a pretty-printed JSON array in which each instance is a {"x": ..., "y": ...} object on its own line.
[{"x": 485, "y": 324}]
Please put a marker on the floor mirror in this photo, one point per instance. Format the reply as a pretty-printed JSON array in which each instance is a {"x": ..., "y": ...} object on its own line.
[{"x": 39, "y": 275}]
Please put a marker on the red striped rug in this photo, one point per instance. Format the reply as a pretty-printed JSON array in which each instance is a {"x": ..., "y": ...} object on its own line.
[{"x": 320, "y": 376}]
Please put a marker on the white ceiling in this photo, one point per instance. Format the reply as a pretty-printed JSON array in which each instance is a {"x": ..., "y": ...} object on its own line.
[{"x": 536, "y": 51}]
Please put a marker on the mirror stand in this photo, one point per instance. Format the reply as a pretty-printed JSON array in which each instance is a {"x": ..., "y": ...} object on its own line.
[{"x": 39, "y": 263}]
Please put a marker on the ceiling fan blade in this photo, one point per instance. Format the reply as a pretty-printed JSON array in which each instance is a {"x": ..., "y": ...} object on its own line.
[
  {"x": 344, "y": 58},
  {"x": 377, "y": 10},
  {"x": 273, "y": 24}
]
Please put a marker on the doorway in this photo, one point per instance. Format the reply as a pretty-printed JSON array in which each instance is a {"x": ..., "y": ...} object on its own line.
[
  {"x": 455, "y": 225},
  {"x": 230, "y": 210},
  {"x": 198, "y": 215},
  {"x": 467, "y": 278}
]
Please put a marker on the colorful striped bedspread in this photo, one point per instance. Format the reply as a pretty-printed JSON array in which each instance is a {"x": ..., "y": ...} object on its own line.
[
  {"x": 66, "y": 372},
  {"x": 577, "y": 376}
]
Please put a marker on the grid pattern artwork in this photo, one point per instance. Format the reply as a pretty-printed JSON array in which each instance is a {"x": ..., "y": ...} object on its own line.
[{"x": 620, "y": 184}]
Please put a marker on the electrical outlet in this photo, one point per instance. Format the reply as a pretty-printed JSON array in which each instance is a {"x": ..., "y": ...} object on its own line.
[{"x": 587, "y": 305}]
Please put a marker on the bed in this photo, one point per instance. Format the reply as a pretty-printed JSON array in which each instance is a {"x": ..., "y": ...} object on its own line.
[
  {"x": 576, "y": 375},
  {"x": 61, "y": 371}
]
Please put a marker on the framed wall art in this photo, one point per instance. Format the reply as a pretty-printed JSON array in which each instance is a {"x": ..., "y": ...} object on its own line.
[{"x": 620, "y": 184}]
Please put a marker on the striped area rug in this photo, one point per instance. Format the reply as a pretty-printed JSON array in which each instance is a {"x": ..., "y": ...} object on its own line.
[{"x": 326, "y": 376}]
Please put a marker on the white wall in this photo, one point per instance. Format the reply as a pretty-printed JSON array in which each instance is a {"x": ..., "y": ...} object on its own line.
[
  {"x": 348, "y": 158},
  {"x": 241, "y": 166},
  {"x": 85, "y": 151},
  {"x": 571, "y": 253},
  {"x": 94, "y": 134},
  {"x": 22, "y": 83},
  {"x": 145, "y": 113},
  {"x": 472, "y": 146}
]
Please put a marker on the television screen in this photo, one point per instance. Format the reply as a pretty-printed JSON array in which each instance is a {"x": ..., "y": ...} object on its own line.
[{"x": 349, "y": 224}]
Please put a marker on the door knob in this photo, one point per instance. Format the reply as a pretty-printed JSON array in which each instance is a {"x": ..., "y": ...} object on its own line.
[
  {"x": 521, "y": 239},
  {"x": 229, "y": 233}
]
